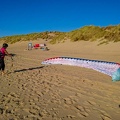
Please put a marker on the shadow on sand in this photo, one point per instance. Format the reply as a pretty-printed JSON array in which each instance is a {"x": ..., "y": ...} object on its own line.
[{"x": 22, "y": 70}]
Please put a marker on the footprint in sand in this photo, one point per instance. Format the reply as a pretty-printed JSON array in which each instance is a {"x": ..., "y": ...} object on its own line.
[
  {"x": 105, "y": 116},
  {"x": 82, "y": 111},
  {"x": 68, "y": 101}
]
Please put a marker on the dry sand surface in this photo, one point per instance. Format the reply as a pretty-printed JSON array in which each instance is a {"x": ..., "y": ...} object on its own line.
[{"x": 31, "y": 91}]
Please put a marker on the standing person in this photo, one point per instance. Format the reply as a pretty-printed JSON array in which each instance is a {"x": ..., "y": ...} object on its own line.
[{"x": 3, "y": 53}]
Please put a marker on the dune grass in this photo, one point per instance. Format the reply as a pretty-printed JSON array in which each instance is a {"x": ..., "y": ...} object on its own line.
[{"x": 87, "y": 33}]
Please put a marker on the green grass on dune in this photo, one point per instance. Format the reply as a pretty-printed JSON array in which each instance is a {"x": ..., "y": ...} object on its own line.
[{"x": 86, "y": 33}]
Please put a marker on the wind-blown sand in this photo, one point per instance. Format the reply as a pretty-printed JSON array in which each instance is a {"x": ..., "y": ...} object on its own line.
[{"x": 31, "y": 91}]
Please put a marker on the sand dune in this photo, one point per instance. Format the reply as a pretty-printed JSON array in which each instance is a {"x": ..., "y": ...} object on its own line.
[{"x": 31, "y": 91}]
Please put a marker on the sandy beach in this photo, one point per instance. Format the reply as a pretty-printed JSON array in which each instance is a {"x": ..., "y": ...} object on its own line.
[{"x": 31, "y": 91}]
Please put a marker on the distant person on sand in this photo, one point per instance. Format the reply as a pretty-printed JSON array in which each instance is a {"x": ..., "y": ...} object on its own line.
[{"x": 3, "y": 53}]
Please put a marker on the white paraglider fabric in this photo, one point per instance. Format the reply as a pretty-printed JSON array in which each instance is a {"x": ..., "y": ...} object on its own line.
[{"x": 110, "y": 68}]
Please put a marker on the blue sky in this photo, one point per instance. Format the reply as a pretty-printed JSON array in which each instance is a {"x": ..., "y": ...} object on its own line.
[{"x": 30, "y": 16}]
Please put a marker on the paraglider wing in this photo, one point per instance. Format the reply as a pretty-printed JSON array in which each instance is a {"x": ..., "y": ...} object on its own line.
[{"x": 110, "y": 68}]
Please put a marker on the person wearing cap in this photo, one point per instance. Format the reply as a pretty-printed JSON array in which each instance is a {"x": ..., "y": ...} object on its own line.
[{"x": 3, "y": 53}]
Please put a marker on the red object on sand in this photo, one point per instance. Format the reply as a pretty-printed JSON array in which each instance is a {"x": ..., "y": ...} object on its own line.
[{"x": 37, "y": 45}]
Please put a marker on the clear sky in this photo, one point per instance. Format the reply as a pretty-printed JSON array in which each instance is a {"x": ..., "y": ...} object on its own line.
[{"x": 30, "y": 16}]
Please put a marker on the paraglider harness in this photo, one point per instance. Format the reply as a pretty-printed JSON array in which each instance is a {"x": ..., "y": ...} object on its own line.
[{"x": 1, "y": 55}]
